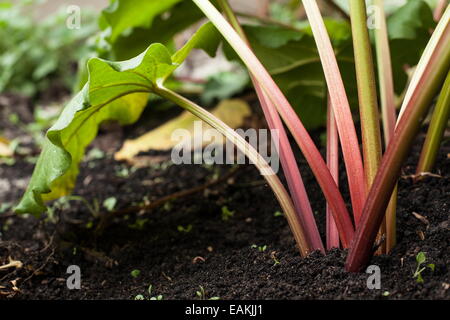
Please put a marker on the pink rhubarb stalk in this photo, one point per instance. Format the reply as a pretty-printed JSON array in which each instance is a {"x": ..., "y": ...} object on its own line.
[
  {"x": 288, "y": 162},
  {"x": 341, "y": 109},
  {"x": 306, "y": 144},
  {"x": 333, "y": 165}
]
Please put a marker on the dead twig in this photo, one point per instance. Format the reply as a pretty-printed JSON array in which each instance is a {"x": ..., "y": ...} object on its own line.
[
  {"x": 35, "y": 272},
  {"x": 12, "y": 264},
  {"x": 419, "y": 175}
]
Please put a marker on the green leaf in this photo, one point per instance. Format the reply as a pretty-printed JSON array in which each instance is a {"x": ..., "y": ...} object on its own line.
[
  {"x": 135, "y": 273},
  {"x": 409, "y": 31},
  {"x": 224, "y": 85},
  {"x": 110, "y": 203},
  {"x": 122, "y": 15},
  {"x": 164, "y": 27},
  {"x": 115, "y": 91},
  {"x": 421, "y": 258}
]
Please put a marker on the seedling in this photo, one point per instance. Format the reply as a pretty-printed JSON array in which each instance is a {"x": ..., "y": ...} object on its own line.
[
  {"x": 5, "y": 207},
  {"x": 201, "y": 294},
  {"x": 110, "y": 203},
  {"x": 260, "y": 248},
  {"x": 139, "y": 224},
  {"x": 278, "y": 214},
  {"x": 421, "y": 260},
  {"x": 186, "y": 229},
  {"x": 135, "y": 273},
  {"x": 149, "y": 290},
  {"x": 226, "y": 213},
  {"x": 273, "y": 255}
]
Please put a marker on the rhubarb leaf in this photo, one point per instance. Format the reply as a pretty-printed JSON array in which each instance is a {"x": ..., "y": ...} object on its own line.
[
  {"x": 409, "y": 32},
  {"x": 137, "y": 36},
  {"x": 292, "y": 59},
  {"x": 115, "y": 91},
  {"x": 121, "y": 15}
]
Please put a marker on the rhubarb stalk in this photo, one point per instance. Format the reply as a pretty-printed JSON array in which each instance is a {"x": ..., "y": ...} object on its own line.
[
  {"x": 436, "y": 130},
  {"x": 388, "y": 113},
  {"x": 271, "y": 178},
  {"x": 288, "y": 162},
  {"x": 273, "y": 92},
  {"x": 333, "y": 165},
  {"x": 427, "y": 80},
  {"x": 341, "y": 109}
]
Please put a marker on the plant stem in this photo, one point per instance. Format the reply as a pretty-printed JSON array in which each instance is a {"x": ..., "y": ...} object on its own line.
[
  {"x": 386, "y": 82},
  {"x": 306, "y": 144},
  {"x": 367, "y": 96},
  {"x": 271, "y": 178},
  {"x": 439, "y": 10},
  {"x": 368, "y": 105},
  {"x": 388, "y": 113},
  {"x": 427, "y": 80},
  {"x": 341, "y": 109},
  {"x": 436, "y": 130},
  {"x": 333, "y": 165},
  {"x": 288, "y": 162}
]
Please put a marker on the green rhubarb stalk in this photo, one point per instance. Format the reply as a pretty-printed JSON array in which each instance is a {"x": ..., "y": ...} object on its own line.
[
  {"x": 271, "y": 178},
  {"x": 427, "y": 80},
  {"x": 388, "y": 113},
  {"x": 436, "y": 130},
  {"x": 367, "y": 94},
  {"x": 289, "y": 165}
]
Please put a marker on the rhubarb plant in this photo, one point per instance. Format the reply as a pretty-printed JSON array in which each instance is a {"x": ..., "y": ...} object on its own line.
[{"x": 303, "y": 77}]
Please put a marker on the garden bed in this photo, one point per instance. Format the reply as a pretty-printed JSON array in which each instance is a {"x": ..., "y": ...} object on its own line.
[{"x": 195, "y": 241}]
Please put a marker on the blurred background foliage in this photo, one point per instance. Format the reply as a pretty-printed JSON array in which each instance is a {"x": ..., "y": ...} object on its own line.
[{"x": 36, "y": 54}]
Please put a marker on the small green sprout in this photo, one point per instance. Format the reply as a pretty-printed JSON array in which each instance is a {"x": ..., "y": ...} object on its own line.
[
  {"x": 135, "y": 273},
  {"x": 95, "y": 154},
  {"x": 155, "y": 298},
  {"x": 386, "y": 294},
  {"x": 226, "y": 213},
  {"x": 14, "y": 119},
  {"x": 167, "y": 206},
  {"x": 110, "y": 203},
  {"x": 138, "y": 224},
  {"x": 124, "y": 172},
  {"x": 201, "y": 294},
  {"x": 421, "y": 259},
  {"x": 278, "y": 214},
  {"x": 260, "y": 248},
  {"x": 186, "y": 229},
  {"x": 5, "y": 207},
  {"x": 273, "y": 255}
]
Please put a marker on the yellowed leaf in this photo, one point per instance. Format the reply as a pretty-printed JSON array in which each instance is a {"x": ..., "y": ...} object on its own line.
[
  {"x": 5, "y": 149},
  {"x": 232, "y": 112}
]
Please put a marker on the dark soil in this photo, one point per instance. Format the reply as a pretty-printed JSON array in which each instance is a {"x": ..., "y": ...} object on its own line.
[{"x": 186, "y": 243}]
